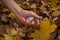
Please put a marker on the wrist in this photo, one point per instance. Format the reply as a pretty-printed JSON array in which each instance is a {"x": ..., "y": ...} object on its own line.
[{"x": 13, "y": 6}]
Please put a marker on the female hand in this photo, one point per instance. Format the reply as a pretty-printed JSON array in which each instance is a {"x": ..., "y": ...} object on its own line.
[{"x": 22, "y": 17}]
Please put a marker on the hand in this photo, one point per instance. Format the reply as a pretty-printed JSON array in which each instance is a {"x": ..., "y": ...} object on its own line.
[
  {"x": 22, "y": 17},
  {"x": 20, "y": 14}
]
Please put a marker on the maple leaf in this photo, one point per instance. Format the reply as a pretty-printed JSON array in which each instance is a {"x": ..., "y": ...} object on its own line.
[{"x": 45, "y": 30}]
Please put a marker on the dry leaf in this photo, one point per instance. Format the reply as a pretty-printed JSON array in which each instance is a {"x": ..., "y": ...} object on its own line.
[{"x": 45, "y": 29}]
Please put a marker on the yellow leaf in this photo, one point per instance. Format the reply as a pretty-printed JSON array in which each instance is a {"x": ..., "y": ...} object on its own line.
[
  {"x": 45, "y": 30},
  {"x": 8, "y": 37},
  {"x": 53, "y": 27}
]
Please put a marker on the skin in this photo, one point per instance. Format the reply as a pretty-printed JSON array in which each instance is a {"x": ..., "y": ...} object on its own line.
[{"x": 20, "y": 14}]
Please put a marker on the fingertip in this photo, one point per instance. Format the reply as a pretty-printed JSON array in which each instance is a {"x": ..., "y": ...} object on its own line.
[
  {"x": 35, "y": 15},
  {"x": 27, "y": 22},
  {"x": 32, "y": 23},
  {"x": 40, "y": 17}
]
